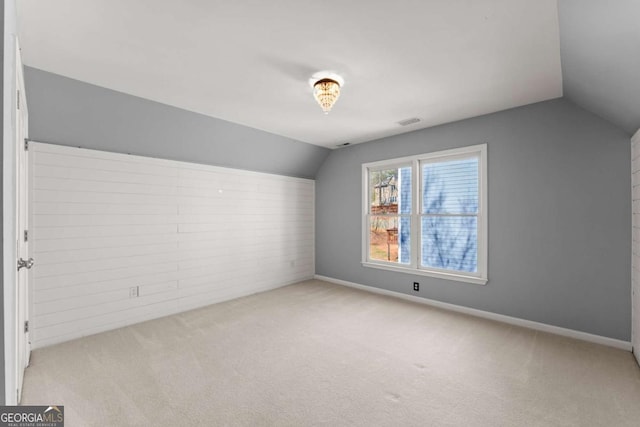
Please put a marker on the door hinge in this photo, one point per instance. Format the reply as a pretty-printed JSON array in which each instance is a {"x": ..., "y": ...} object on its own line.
[
  {"x": 18, "y": 100},
  {"x": 26, "y": 236},
  {"x": 26, "y": 144},
  {"x": 26, "y": 326}
]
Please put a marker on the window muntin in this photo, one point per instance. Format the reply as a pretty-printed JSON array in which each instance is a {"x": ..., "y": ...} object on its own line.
[{"x": 439, "y": 214}]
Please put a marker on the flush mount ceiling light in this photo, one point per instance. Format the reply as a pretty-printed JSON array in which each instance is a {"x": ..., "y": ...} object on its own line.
[
  {"x": 326, "y": 92},
  {"x": 326, "y": 89}
]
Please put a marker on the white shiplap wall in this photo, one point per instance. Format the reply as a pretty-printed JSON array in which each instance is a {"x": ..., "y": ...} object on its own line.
[
  {"x": 188, "y": 235},
  {"x": 635, "y": 245}
]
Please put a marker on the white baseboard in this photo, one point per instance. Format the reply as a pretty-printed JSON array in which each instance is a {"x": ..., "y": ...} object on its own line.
[{"x": 598, "y": 339}]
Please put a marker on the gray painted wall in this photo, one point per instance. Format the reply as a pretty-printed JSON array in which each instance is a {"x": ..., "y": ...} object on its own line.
[
  {"x": 559, "y": 216},
  {"x": 69, "y": 112},
  {"x": 600, "y": 51}
]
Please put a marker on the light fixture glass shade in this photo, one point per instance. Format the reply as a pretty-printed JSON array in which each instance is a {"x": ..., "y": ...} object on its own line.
[{"x": 326, "y": 92}]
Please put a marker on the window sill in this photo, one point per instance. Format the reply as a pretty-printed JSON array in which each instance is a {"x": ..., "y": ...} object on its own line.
[{"x": 440, "y": 275}]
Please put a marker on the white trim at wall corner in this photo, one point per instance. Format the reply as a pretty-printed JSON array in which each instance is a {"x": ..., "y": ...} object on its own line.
[
  {"x": 635, "y": 299},
  {"x": 543, "y": 327}
]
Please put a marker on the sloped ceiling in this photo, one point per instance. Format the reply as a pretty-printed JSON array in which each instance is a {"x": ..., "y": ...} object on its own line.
[
  {"x": 250, "y": 61},
  {"x": 600, "y": 51}
]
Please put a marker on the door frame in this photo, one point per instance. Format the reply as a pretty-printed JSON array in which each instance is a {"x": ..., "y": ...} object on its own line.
[
  {"x": 23, "y": 347},
  {"x": 9, "y": 220}
]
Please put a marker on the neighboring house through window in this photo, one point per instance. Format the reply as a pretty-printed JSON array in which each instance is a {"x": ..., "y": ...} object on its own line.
[{"x": 427, "y": 214}]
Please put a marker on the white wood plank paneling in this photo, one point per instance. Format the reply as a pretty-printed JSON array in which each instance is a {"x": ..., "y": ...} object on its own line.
[{"x": 186, "y": 235}]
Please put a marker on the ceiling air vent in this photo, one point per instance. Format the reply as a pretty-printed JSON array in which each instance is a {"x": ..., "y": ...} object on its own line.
[{"x": 408, "y": 122}]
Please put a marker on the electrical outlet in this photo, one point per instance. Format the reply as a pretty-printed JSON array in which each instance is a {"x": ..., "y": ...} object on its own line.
[
  {"x": 416, "y": 286},
  {"x": 134, "y": 292}
]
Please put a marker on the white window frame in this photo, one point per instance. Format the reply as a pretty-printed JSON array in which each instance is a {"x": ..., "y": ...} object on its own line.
[{"x": 479, "y": 277}]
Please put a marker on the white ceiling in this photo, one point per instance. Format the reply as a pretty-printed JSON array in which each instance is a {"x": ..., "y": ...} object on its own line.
[{"x": 249, "y": 61}]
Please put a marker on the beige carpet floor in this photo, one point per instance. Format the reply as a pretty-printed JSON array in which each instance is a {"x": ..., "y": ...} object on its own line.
[{"x": 320, "y": 354}]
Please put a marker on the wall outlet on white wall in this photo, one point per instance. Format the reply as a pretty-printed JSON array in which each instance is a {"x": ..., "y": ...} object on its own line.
[{"x": 134, "y": 291}]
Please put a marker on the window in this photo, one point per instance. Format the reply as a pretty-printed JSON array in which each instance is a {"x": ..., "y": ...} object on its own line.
[{"x": 426, "y": 214}]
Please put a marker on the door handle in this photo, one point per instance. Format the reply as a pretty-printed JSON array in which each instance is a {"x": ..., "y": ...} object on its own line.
[{"x": 25, "y": 263}]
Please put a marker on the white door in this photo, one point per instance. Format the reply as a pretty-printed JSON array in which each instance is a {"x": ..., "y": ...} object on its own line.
[{"x": 23, "y": 347}]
